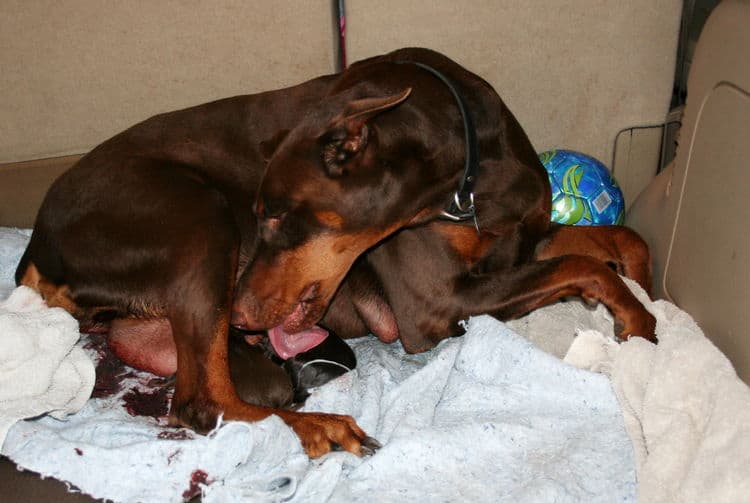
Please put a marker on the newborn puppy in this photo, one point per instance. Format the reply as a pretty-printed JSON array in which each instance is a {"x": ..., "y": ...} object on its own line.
[
  {"x": 262, "y": 378},
  {"x": 329, "y": 359},
  {"x": 257, "y": 379}
]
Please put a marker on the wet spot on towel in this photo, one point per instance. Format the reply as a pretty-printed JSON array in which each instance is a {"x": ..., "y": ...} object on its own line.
[
  {"x": 154, "y": 403},
  {"x": 197, "y": 478}
]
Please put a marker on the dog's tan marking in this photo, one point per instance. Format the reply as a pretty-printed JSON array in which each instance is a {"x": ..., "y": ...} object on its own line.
[
  {"x": 465, "y": 241},
  {"x": 53, "y": 295},
  {"x": 330, "y": 219},
  {"x": 31, "y": 277},
  {"x": 618, "y": 246}
]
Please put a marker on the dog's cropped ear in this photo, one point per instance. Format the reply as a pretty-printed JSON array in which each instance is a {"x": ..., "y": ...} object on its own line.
[
  {"x": 347, "y": 134},
  {"x": 268, "y": 147}
]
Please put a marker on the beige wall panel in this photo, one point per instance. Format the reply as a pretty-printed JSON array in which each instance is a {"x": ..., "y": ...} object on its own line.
[
  {"x": 23, "y": 186},
  {"x": 706, "y": 273},
  {"x": 74, "y": 72},
  {"x": 574, "y": 73},
  {"x": 694, "y": 214}
]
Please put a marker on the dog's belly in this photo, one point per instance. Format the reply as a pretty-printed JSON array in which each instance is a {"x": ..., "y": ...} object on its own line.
[{"x": 144, "y": 344}]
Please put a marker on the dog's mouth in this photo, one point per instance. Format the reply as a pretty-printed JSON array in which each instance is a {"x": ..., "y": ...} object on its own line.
[
  {"x": 288, "y": 345},
  {"x": 296, "y": 333},
  {"x": 289, "y": 338}
]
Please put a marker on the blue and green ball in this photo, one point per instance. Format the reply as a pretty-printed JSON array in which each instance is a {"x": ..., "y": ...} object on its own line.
[{"x": 583, "y": 190}]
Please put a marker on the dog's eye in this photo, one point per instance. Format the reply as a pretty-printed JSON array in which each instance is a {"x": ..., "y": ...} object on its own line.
[
  {"x": 265, "y": 210},
  {"x": 269, "y": 215},
  {"x": 269, "y": 227},
  {"x": 273, "y": 222}
]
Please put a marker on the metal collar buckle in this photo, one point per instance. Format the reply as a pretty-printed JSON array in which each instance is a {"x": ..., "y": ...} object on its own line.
[
  {"x": 460, "y": 211},
  {"x": 461, "y": 207}
]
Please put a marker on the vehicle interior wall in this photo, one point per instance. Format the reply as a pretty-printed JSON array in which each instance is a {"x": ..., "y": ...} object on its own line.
[
  {"x": 694, "y": 215},
  {"x": 574, "y": 73}
]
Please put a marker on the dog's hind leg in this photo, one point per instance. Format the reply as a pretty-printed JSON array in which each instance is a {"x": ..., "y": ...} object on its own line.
[{"x": 619, "y": 247}]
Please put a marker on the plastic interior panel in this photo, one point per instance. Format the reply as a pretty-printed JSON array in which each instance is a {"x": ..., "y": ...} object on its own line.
[{"x": 707, "y": 271}]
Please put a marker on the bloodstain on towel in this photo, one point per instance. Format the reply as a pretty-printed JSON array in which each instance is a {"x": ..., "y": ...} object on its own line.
[
  {"x": 154, "y": 403},
  {"x": 110, "y": 371},
  {"x": 197, "y": 478},
  {"x": 139, "y": 392}
]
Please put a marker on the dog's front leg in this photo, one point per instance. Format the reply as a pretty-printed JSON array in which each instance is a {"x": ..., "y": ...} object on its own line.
[
  {"x": 199, "y": 310},
  {"x": 203, "y": 391},
  {"x": 517, "y": 291}
]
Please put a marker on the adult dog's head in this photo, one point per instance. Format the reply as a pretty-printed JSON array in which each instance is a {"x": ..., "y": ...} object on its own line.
[{"x": 369, "y": 160}]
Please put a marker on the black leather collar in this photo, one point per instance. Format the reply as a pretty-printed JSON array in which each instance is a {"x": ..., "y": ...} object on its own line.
[{"x": 461, "y": 207}]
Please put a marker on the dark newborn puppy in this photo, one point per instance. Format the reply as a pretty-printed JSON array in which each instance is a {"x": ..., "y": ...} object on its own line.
[
  {"x": 262, "y": 378},
  {"x": 257, "y": 379},
  {"x": 329, "y": 359}
]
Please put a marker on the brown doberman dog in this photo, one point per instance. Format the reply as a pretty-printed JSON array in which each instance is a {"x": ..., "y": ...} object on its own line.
[
  {"x": 413, "y": 153},
  {"x": 145, "y": 238},
  {"x": 157, "y": 227}
]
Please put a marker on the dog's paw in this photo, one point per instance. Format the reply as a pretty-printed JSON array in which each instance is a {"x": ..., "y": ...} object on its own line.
[
  {"x": 323, "y": 433},
  {"x": 642, "y": 325},
  {"x": 200, "y": 417}
]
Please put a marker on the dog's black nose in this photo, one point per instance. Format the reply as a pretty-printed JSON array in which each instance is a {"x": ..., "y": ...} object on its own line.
[{"x": 238, "y": 320}]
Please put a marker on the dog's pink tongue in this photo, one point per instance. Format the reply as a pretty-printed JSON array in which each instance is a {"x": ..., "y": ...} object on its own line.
[{"x": 289, "y": 345}]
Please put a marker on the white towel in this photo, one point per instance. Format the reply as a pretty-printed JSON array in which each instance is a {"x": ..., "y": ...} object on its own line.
[
  {"x": 686, "y": 410},
  {"x": 482, "y": 417},
  {"x": 12, "y": 244},
  {"x": 41, "y": 370}
]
